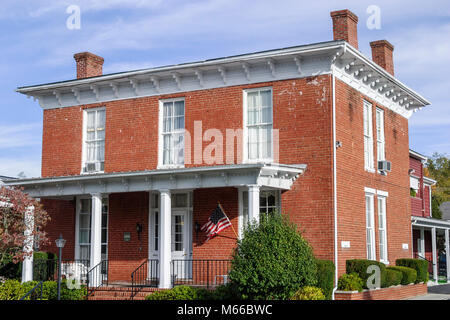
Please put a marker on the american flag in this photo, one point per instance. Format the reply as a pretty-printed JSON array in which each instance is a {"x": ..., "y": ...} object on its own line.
[{"x": 217, "y": 222}]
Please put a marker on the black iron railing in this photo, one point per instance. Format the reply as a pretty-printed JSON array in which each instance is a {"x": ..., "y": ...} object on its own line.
[
  {"x": 33, "y": 294},
  {"x": 200, "y": 272},
  {"x": 97, "y": 277},
  {"x": 146, "y": 275},
  {"x": 47, "y": 269}
]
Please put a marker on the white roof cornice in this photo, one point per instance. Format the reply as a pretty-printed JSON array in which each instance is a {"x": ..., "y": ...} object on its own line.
[{"x": 347, "y": 63}]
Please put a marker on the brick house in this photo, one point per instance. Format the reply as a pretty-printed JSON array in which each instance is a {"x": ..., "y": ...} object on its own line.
[
  {"x": 132, "y": 165},
  {"x": 430, "y": 235}
]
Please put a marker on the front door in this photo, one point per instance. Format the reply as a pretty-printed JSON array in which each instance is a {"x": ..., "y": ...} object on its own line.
[{"x": 180, "y": 244}]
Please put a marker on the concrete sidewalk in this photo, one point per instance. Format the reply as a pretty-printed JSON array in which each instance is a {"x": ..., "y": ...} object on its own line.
[{"x": 436, "y": 292}]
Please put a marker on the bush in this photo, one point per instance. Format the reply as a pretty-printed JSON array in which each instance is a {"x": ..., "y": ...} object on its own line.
[
  {"x": 360, "y": 266},
  {"x": 14, "y": 290},
  {"x": 421, "y": 267},
  {"x": 227, "y": 291},
  {"x": 350, "y": 282},
  {"x": 325, "y": 277},
  {"x": 409, "y": 275},
  {"x": 180, "y": 293},
  {"x": 272, "y": 260},
  {"x": 309, "y": 293},
  {"x": 11, "y": 290},
  {"x": 393, "y": 278}
]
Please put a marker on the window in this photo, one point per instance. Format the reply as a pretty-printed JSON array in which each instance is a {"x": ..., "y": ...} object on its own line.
[
  {"x": 368, "y": 137},
  {"x": 269, "y": 201},
  {"x": 370, "y": 236},
  {"x": 382, "y": 228},
  {"x": 84, "y": 230},
  {"x": 94, "y": 140},
  {"x": 172, "y": 133},
  {"x": 380, "y": 135},
  {"x": 258, "y": 121}
]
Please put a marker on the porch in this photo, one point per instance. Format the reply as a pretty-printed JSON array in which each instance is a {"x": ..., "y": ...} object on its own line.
[
  {"x": 143, "y": 228},
  {"x": 431, "y": 242}
]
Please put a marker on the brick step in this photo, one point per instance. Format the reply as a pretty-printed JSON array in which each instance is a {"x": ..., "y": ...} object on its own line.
[{"x": 120, "y": 293}]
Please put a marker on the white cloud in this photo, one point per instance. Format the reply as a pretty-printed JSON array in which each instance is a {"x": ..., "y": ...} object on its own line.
[
  {"x": 12, "y": 166},
  {"x": 20, "y": 135}
]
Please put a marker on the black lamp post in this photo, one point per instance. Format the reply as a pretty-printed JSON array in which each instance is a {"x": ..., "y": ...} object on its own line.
[{"x": 60, "y": 244}]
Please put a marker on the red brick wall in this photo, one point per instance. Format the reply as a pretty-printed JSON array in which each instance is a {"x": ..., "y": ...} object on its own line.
[
  {"x": 426, "y": 201},
  {"x": 62, "y": 214},
  {"x": 125, "y": 211},
  {"x": 352, "y": 178},
  {"x": 391, "y": 293}
]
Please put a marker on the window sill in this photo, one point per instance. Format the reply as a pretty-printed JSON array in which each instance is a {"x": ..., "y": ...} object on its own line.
[
  {"x": 167, "y": 167},
  {"x": 369, "y": 170},
  {"x": 91, "y": 172}
]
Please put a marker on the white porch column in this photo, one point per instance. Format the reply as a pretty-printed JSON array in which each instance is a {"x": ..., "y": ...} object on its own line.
[
  {"x": 96, "y": 234},
  {"x": 433, "y": 246},
  {"x": 27, "y": 264},
  {"x": 447, "y": 252},
  {"x": 253, "y": 202},
  {"x": 165, "y": 247},
  {"x": 422, "y": 242}
]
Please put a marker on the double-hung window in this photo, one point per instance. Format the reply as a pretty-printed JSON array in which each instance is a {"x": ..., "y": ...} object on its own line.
[
  {"x": 368, "y": 136},
  {"x": 380, "y": 135},
  {"x": 370, "y": 228},
  {"x": 172, "y": 133},
  {"x": 382, "y": 228},
  {"x": 258, "y": 120},
  {"x": 94, "y": 140}
]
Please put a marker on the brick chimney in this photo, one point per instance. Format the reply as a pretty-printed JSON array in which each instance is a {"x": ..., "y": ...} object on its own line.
[
  {"x": 88, "y": 65},
  {"x": 345, "y": 26},
  {"x": 382, "y": 54}
]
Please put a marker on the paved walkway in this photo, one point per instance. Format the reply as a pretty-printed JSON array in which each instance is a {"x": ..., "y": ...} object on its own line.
[{"x": 436, "y": 292}]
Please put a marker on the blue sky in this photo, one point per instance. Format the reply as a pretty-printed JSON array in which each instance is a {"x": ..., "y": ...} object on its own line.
[{"x": 37, "y": 47}]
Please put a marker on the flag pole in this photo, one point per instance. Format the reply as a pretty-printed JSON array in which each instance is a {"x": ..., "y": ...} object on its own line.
[{"x": 218, "y": 203}]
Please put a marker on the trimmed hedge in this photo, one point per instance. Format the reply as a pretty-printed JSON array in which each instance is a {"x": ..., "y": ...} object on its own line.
[
  {"x": 409, "y": 275},
  {"x": 325, "y": 277},
  {"x": 308, "y": 293},
  {"x": 360, "y": 266},
  {"x": 393, "y": 278},
  {"x": 421, "y": 267},
  {"x": 180, "y": 293},
  {"x": 350, "y": 282},
  {"x": 14, "y": 290}
]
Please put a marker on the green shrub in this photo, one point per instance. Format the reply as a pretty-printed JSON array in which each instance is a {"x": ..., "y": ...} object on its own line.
[
  {"x": 272, "y": 260},
  {"x": 308, "y": 293},
  {"x": 421, "y": 267},
  {"x": 350, "y": 282},
  {"x": 360, "y": 267},
  {"x": 180, "y": 293},
  {"x": 227, "y": 291},
  {"x": 11, "y": 290},
  {"x": 409, "y": 275},
  {"x": 393, "y": 278},
  {"x": 325, "y": 277}
]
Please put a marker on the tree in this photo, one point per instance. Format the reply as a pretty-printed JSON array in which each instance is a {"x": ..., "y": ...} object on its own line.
[
  {"x": 438, "y": 168},
  {"x": 17, "y": 211},
  {"x": 272, "y": 260}
]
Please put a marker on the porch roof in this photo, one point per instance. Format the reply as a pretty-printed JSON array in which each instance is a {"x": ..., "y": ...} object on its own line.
[
  {"x": 278, "y": 176},
  {"x": 430, "y": 222}
]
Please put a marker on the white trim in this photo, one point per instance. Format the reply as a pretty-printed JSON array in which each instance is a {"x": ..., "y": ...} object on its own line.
[
  {"x": 383, "y": 199},
  {"x": 382, "y": 193},
  {"x": 368, "y": 145},
  {"x": 372, "y": 254},
  {"x": 370, "y": 190}
]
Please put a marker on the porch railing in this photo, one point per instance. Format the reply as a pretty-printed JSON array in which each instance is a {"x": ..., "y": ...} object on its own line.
[
  {"x": 34, "y": 294},
  {"x": 146, "y": 275},
  {"x": 47, "y": 269},
  {"x": 97, "y": 277},
  {"x": 200, "y": 272}
]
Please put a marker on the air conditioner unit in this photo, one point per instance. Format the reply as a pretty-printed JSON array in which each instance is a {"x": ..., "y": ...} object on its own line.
[{"x": 384, "y": 166}]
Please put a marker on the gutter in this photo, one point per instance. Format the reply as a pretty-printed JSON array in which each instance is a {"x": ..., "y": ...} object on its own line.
[{"x": 336, "y": 261}]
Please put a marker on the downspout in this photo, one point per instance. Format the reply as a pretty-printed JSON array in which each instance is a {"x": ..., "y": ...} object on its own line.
[{"x": 335, "y": 183}]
